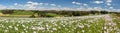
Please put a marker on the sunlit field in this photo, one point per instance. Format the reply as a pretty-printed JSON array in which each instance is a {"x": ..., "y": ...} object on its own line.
[{"x": 83, "y": 24}]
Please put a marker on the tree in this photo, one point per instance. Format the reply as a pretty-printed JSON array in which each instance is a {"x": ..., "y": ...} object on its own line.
[
  {"x": 104, "y": 12},
  {"x": 7, "y": 11}
]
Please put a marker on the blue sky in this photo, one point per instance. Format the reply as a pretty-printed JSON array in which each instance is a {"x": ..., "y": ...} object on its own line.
[{"x": 61, "y": 4}]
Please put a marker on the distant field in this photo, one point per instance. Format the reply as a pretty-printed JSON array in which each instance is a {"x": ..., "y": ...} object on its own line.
[
  {"x": 48, "y": 13},
  {"x": 84, "y": 24},
  {"x": 22, "y": 13}
]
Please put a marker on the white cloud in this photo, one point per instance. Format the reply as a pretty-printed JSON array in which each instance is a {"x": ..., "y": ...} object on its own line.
[
  {"x": 98, "y": 2},
  {"x": 53, "y": 4},
  {"x": 27, "y": 6},
  {"x": 32, "y": 6},
  {"x": 77, "y": 3},
  {"x": 108, "y": 4},
  {"x": 81, "y": 9},
  {"x": 29, "y": 2},
  {"x": 15, "y": 3},
  {"x": 98, "y": 8},
  {"x": 109, "y": 1},
  {"x": 92, "y": 8},
  {"x": 117, "y": 10},
  {"x": 66, "y": 8},
  {"x": 32, "y": 3},
  {"x": 110, "y": 7},
  {"x": 54, "y": 8},
  {"x": 40, "y": 3},
  {"x": 85, "y": 4},
  {"x": 73, "y": 2},
  {"x": 2, "y": 7}
]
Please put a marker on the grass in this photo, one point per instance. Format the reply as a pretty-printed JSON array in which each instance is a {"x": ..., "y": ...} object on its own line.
[
  {"x": 22, "y": 13},
  {"x": 52, "y": 25},
  {"x": 116, "y": 20}
]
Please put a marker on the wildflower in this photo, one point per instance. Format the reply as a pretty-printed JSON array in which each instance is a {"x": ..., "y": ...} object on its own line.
[
  {"x": 51, "y": 31},
  {"x": 22, "y": 32},
  {"x": 54, "y": 29},
  {"x": 6, "y": 30},
  {"x": 34, "y": 32},
  {"x": 83, "y": 31},
  {"x": 10, "y": 27},
  {"x": 41, "y": 28},
  {"x": 23, "y": 25},
  {"x": 16, "y": 28},
  {"x": 81, "y": 26},
  {"x": 34, "y": 28}
]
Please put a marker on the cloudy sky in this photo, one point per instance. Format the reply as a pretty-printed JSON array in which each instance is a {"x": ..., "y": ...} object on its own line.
[{"x": 61, "y": 4}]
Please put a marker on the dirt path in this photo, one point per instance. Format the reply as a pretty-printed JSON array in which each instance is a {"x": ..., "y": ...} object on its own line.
[{"x": 110, "y": 26}]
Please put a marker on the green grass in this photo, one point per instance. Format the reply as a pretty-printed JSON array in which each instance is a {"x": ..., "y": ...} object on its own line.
[
  {"x": 52, "y": 25},
  {"x": 22, "y": 13},
  {"x": 116, "y": 23},
  {"x": 116, "y": 20}
]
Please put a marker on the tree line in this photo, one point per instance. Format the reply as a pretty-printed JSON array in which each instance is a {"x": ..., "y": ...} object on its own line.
[{"x": 54, "y": 13}]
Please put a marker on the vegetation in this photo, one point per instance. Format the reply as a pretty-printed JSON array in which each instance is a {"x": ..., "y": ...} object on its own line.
[
  {"x": 53, "y": 25},
  {"x": 51, "y": 13},
  {"x": 85, "y": 24}
]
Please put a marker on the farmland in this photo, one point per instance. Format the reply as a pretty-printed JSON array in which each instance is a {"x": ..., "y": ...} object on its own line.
[{"x": 82, "y": 24}]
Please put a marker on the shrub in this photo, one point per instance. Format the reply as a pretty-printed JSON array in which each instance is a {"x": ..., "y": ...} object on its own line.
[
  {"x": 7, "y": 11},
  {"x": 50, "y": 15}
]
